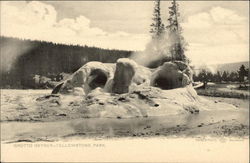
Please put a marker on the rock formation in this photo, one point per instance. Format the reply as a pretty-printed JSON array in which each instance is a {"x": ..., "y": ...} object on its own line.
[
  {"x": 124, "y": 76},
  {"x": 125, "y": 71},
  {"x": 89, "y": 77},
  {"x": 171, "y": 75}
]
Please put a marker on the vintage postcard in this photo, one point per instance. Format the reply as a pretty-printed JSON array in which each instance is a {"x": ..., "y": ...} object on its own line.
[{"x": 124, "y": 81}]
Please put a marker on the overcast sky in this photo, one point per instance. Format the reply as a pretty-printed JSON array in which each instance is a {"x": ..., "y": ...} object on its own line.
[{"x": 217, "y": 31}]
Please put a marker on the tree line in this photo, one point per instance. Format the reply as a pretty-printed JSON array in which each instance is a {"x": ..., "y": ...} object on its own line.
[
  {"x": 205, "y": 76},
  {"x": 47, "y": 59}
]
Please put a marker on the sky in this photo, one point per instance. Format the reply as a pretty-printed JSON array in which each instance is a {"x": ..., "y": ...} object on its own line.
[{"x": 216, "y": 31}]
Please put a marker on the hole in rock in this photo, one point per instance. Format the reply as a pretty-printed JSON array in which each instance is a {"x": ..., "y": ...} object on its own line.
[
  {"x": 167, "y": 83},
  {"x": 97, "y": 79},
  {"x": 156, "y": 105}
]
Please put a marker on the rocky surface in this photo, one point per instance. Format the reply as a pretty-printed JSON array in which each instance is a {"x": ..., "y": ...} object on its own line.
[
  {"x": 142, "y": 101},
  {"x": 29, "y": 115}
]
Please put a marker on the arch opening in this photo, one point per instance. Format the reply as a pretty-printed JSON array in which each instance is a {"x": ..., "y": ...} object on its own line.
[
  {"x": 163, "y": 83},
  {"x": 97, "y": 78},
  {"x": 166, "y": 83}
]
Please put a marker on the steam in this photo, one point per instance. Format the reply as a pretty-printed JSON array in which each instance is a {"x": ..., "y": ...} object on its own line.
[
  {"x": 10, "y": 51},
  {"x": 211, "y": 69},
  {"x": 203, "y": 66},
  {"x": 155, "y": 50}
]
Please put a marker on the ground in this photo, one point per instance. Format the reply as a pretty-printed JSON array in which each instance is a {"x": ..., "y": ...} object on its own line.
[
  {"x": 21, "y": 122},
  {"x": 229, "y": 90},
  {"x": 240, "y": 103}
]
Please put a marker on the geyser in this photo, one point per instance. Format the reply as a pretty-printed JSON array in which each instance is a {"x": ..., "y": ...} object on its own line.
[
  {"x": 125, "y": 76},
  {"x": 170, "y": 75}
]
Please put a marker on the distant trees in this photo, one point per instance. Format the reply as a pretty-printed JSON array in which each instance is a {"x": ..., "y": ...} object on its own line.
[
  {"x": 248, "y": 74},
  {"x": 49, "y": 59},
  {"x": 243, "y": 73},
  {"x": 217, "y": 77},
  {"x": 203, "y": 77},
  {"x": 235, "y": 76},
  {"x": 225, "y": 76}
]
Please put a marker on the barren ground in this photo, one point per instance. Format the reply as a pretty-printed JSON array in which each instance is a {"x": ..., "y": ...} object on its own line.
[{"x": 20, "y": 124}]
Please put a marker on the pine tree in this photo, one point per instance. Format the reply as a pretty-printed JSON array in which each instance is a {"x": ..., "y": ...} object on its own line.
[
  {"x": 225, "y": 76},
  {"x": 242, "y": 73},
  {"x": 178, "y": 45},
  {"x": 157, "y": 27},
  {"x": 218, "y": 77},
  {"x": 203, "y": 77},
  {"x": 233, "y": 76},
  {"x": 247, "y": 73}
]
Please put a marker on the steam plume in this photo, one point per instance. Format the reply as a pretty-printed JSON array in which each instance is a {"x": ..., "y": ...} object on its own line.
[
  {"x": 10, "y": 51},
  {"x": 156, "y": 49}
]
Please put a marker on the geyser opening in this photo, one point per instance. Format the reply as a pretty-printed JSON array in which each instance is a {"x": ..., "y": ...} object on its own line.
[
  {"x": 166, "y": 82},
  {"x": 163, "y": 83},
  {"x": 97, "y": 78}
]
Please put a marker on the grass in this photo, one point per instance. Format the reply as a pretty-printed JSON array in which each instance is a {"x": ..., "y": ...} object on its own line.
[{"x": 219, "y": 90}]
